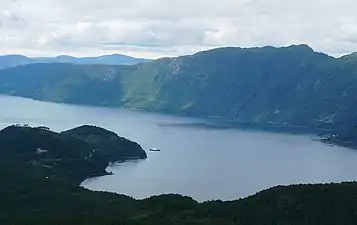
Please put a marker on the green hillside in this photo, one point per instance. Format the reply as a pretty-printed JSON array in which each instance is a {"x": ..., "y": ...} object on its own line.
[{"x": 291, "y": 86}]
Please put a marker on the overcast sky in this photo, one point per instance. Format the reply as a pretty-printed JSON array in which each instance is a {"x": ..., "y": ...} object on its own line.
[{"x": 156, "y": 28}]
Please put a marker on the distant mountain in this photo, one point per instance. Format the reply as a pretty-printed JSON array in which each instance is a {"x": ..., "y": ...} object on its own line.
[
  {"x": 8, "y": 61},
  {"x": 13, "y": 60},
  {"x": 290, "y": 86},
  {"x": 115, "y": 59}
]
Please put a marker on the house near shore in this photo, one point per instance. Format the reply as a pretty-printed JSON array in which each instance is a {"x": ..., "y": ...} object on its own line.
[{"x": 43, "y": 128}]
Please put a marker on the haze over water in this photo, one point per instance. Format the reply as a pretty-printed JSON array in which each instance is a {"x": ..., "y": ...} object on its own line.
[{"x": 198, "y": 161}]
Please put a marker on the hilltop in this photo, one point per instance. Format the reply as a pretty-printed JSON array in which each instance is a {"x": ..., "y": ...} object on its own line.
[{"x": 66, "y": 156}]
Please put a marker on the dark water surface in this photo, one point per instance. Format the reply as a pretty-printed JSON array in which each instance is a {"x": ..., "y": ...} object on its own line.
[{"x": 198, "y": 161}]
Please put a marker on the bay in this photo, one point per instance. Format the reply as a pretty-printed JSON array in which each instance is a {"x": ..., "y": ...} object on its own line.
[{"x": 199, "y": 161}]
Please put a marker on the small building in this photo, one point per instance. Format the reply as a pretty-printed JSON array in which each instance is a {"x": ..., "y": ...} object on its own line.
[
  {"x": 43, "y": 128},
  {"x": 41, "y": 151}
]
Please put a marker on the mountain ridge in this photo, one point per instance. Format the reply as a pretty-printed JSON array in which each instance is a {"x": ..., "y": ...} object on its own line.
[
  {"x": 8, "y": 61},
  {"x": 289, "y": 86}
]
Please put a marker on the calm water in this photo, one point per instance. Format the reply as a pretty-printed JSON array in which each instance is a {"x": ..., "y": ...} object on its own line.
[{"x": 201, "y": 162}]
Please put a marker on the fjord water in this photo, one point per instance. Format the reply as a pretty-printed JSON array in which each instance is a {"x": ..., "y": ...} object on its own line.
[{"x": 198, "y": 161}]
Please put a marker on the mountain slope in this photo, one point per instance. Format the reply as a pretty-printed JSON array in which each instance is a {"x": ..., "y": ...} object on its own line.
[
  {"x": 290, "y": 86},
  {"x": 89, "y": 84}
]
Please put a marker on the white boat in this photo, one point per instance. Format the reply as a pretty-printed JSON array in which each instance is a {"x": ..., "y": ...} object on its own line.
[{"x": 154, "y": 149}]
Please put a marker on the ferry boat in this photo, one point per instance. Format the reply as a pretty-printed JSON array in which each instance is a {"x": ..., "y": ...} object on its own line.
[{"x": 154, "y": 150}]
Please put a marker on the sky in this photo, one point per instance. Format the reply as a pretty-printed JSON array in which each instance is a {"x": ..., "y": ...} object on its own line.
[{"x": 158, "y": 28}]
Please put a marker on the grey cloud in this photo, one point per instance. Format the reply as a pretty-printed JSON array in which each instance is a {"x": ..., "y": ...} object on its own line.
[
  {"x": 11, "y": 19},
  {"x": 162, "y": 27}
]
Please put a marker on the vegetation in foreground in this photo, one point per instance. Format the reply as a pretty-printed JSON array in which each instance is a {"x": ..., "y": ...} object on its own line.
[{"x": 40, "y": 171}]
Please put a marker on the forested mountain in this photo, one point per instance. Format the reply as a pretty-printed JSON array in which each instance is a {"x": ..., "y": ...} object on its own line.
[
  {"x": 8, "y": 61},
  {"x": 289, "y": 86},
  {"x": 89, "y": 84},
  {"x": 71, "y": 155},
  {"x": 40, "y": 171}
]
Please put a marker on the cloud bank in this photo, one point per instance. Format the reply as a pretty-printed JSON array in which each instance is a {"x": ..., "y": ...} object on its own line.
[{"x": 156, "y": 28}]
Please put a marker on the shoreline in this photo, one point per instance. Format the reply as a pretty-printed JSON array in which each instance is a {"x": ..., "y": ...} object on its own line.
[
  {"x": 109, "y": 173},
  {"x": 338, "y": 143}
]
